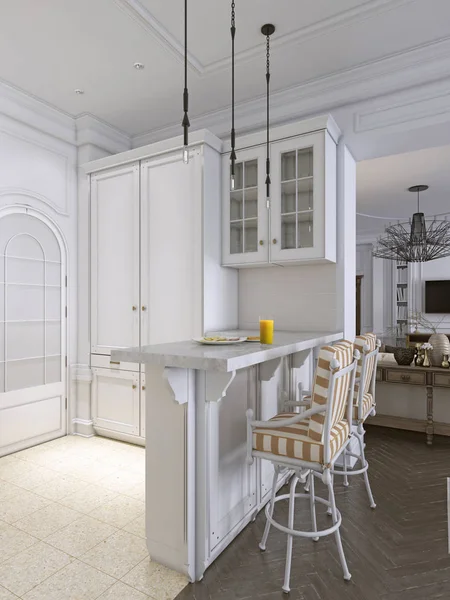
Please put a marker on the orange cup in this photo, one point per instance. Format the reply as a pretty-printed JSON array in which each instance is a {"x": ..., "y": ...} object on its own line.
[{"x": 266, "y": 331}]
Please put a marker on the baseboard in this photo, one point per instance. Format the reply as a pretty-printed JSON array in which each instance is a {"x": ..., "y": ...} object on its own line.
[
  {"x": 121, "y": 437},
  {"x": 83, "y": 427},
  {"x": 408, "y": 424}
]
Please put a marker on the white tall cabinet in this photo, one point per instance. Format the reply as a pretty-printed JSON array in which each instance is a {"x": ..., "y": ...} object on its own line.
[{"x": 155, "y": 267}]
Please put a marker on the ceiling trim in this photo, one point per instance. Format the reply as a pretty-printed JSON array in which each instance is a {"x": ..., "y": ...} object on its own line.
[
  {"x": 91, "y": 130},
  {"x": 140, "y": 14},
  {"x": 401, "y": 71}
]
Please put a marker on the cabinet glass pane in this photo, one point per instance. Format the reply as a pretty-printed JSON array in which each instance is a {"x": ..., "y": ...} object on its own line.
[
  {"x": 251, "y": 173},
  {"x": 304, "y": 162},
  {"x": 24, "y": 302},
  {"x": 238, "y": 176},
  {"x": 236, "y": 237},
  {"x": 288, "y": 197},
  {"x": 23, "y": 270},
  {"x": 305, "y": 230},
  {"x": 25, "y": 340},
  {"x": 305, "y": 194},
  {"x": 288, "y": 232},
  {"x": 53, "y": 369},
  {"x": 288, "y": 167},
  {"x": 53, "y": 274},
  {"x": 251, "y": 235},
  {"x": 24, "y": 373},
  {"x": 251, "y": 203},
  {"x": 53, "y": 337},
  {"x": 236, "y": 204}
]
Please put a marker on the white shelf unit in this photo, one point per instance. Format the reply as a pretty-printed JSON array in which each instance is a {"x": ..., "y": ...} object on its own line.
[{"x": 401, "y": 299}]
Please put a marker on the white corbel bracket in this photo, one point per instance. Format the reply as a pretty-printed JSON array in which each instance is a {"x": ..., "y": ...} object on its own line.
[
  {"x": 298, "y": 358},
  {"x": 217, "y": 384},
  {"x": 267, "y": 369},
  {"x": 178, "y": 380}
]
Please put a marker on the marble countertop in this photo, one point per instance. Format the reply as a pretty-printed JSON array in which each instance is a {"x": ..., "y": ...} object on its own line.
[{"x": 191, "y": 355}]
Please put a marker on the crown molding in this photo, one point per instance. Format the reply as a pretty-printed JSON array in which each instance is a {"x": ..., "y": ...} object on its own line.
[
  {"x": 140, "y": 14},
  {"x": 37, "y": 114},
  {"x": 91, "y": 130},
  {"x": 406, "y": 70}
]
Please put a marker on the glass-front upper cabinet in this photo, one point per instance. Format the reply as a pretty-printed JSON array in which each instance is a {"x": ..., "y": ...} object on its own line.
[
  {"x": 245, "y": 214},
  {"x": 303, "y": 199}
]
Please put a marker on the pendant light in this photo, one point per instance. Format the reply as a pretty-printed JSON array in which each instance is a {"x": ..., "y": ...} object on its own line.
[
  {"x": 420, "y": 240},
  {"x": 233, "y": 133},
  {"x": 267, "y": 30},
  {"x": 185, "y": 123}
]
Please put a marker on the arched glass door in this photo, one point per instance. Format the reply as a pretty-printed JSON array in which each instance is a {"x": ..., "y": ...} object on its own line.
[{"x": 32, "y": 331}]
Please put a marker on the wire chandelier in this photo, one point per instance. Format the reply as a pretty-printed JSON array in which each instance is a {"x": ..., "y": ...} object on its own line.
[{"x": 420, "y": 240}]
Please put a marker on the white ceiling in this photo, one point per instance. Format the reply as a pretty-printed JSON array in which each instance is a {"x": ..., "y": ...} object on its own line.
[
  {"x": 382, "y": 187},
  {"x": 50, "y": 47}
]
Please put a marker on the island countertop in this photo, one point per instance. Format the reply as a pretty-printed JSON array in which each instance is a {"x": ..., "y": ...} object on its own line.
[{"x": 227, "y": 358}]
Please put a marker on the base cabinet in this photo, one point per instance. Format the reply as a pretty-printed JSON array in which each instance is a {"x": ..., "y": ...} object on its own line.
[{"x": 118, "y": 403}]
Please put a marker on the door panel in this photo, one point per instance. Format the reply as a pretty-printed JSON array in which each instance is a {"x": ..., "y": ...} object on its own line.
[
  {"x": 115, "y": 259},
  {"x": 32, "y": 331}
]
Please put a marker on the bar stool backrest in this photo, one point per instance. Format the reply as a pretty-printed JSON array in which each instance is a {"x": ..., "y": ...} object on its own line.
[
  {"x": 343, "y": 353},
  {"x": 362, "y": 342}
]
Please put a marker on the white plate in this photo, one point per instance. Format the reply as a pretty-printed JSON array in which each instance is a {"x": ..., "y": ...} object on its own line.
[{"x": 226, "y": 342}]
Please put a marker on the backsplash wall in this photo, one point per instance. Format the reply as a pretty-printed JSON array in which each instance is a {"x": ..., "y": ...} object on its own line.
[{"x": 297, "y": 298}]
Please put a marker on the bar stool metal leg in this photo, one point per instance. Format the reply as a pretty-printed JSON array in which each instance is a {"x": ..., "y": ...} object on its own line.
[
  {"x": 366, "y": 474},
  {"x": 262, "y": 545},
  {"x": 287, "y": 572},
  {"x": 337, "y": 534},
  {"x": 345, "y": 467},
  {"x": 312, "y": 504}
]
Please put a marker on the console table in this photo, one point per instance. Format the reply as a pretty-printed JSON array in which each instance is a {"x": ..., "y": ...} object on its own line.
[{"x": 428, "y": 377}]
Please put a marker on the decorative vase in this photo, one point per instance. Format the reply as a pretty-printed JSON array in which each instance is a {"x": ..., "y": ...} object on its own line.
[
  {"x": 445, "y": 363},
  {"x": 441, "y": 345},
  {"x": 426, "y": 359},
  {"x": 404, "y": 356},
  {"x": 419, "y": 358}
]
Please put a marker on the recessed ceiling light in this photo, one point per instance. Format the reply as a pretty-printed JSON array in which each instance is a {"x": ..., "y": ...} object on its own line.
[
  {"x": 139, "y": 66},
  {"x": 79, "y": 92}
]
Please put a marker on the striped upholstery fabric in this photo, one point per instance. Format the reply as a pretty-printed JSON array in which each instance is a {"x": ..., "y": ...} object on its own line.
[
  {"x": 367, "y": 405},
  {"x": 294, "y": 441},
  {"x": 343, "y": 352},
  {"x": 369, "y": 339}
]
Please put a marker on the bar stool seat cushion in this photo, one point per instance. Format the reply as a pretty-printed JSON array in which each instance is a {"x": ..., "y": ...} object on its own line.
[
  {"x": 367, "y": 406},
  {"x": 294, "y": 441},
  {"x": 370, "y": 340}
]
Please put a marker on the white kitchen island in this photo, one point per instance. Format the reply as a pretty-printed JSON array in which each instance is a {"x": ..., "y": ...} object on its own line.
[{"x": 200, "y": 492}]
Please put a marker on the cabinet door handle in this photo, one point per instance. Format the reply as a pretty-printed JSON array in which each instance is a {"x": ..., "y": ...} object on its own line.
[
  {"x": 406, "y": 377},
  {"x": 114, "y": 362},
  {"x": 134, "y": 307},
  {"x": 134, "y": 386},
  {"x": 143, "y": 387},
  {"x": 274, "y": 241},
  {"x": 144, "y": 308},
  {"x": 261, "y": 242}
]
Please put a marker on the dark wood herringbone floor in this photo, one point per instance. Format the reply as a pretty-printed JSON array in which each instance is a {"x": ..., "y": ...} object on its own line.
[{"x": 396, "y": 552}]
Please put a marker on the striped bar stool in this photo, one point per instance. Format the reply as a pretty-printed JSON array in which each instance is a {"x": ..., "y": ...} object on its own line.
[
  {"x": 309, "y": 442},
  {"x": 363, "y": 406}
]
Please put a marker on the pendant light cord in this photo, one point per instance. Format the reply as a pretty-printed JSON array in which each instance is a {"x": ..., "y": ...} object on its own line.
[
  {"x": 185, "y": 123},
  {"x": 268, "y": 117},
  {"x": 233, "y": 133}
]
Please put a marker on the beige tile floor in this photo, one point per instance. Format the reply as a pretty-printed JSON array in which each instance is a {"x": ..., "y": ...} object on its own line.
[{"x": 72, "y": 524}]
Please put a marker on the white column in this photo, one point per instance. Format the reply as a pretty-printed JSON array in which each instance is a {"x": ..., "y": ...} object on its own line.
[
  {"x": 81, "y": 420},
  {"x": 346, "y": 242}
]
